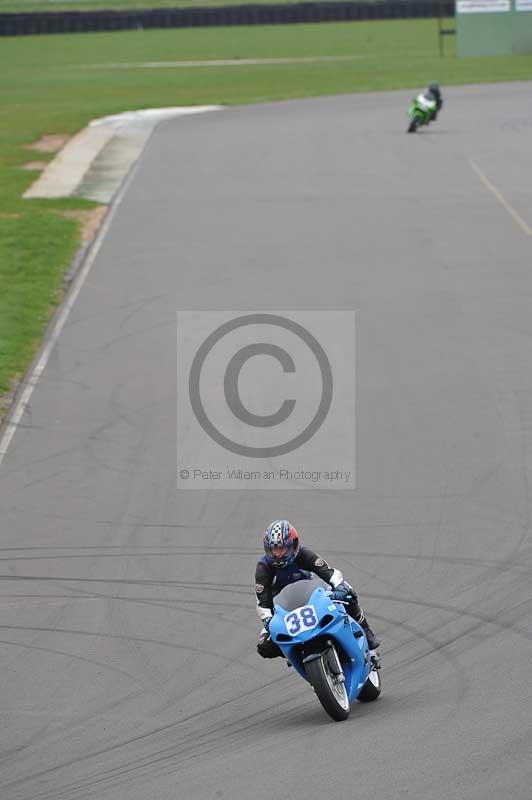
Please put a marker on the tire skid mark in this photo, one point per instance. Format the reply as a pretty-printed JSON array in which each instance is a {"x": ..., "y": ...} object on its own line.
[
  {"x": 238, "y": 588},
  {"x": 65, "y": 732},
  {"x": 168, "y": 602},
  {"x": 91, "y": 634},
  {"x": 418, "y": 633},
  {"x": 162, "y": 756},
  {"x": 140, "y": 639},
  {"x": 172, "y": 763},
  {"x": 74, "y": 656},
  {"x": 457, "y": 611},
  {"x": 12, "y": 753},
  {"x": 191, "y": 749},
  {"x": 437, "y": 644},
  {"x": 206, "y": 552},
  {"x": 174, "y": 604},
  {"x": 172, "y": 726},
  {"x": 434, "y": 646}
]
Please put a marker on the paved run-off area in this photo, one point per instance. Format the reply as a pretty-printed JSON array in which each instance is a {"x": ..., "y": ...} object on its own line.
[{"x": 127, "y": 618}]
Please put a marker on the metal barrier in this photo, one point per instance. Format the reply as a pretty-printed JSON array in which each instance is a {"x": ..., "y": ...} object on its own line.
[{"x": 329, "y": 11}]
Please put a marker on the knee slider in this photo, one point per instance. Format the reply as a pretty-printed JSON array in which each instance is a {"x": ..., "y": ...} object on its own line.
[{"x": 267, "y": 649}]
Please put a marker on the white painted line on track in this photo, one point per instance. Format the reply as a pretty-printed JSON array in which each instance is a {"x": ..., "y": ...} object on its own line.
[
  {"x": 33, "y": 378},
  {"x": 228, "y": 62},
  {"x": 502, "y": 200}
]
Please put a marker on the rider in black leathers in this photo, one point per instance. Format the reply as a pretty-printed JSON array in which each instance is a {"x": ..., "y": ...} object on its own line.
[
  {"x": 286, "y": 561},
  {"x": 434, "y": 93}
]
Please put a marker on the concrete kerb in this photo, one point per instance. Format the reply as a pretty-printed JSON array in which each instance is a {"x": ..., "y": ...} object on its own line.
[
  {"x": 69, "y": 174},
  {"x": 96, "y": 160}
]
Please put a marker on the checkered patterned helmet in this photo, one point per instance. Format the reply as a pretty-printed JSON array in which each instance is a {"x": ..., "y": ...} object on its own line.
[{"x": 281, "y": 543}]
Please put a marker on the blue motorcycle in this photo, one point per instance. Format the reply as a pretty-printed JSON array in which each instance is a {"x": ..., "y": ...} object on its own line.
[{"x": 325, "y": 645}]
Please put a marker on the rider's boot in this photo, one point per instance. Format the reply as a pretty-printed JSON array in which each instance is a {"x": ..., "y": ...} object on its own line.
[{"x": 373, "y": 641}]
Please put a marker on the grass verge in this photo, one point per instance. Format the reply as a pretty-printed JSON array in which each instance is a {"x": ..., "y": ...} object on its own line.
[{"x": 56, "y": 84}]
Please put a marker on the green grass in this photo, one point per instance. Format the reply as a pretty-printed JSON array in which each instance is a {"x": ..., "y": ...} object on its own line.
[
  {"x": 56, "y": 84},
  {"x": 34, "y": 251}
]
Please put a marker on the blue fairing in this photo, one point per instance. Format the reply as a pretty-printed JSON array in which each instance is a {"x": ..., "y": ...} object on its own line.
[{"x": 306, "y": 618}]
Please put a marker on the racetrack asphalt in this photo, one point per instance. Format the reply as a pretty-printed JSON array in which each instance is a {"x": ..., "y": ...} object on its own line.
[{"x": 127, "y": 654}]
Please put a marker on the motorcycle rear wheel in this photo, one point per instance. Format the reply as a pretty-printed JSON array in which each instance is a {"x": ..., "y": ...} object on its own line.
[
  {"x": 331, "y": 693},
  {"x": 372, "y": 688}
]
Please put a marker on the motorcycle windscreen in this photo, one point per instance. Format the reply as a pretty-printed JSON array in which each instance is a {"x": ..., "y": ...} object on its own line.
[{"x": 298, "y": 593}]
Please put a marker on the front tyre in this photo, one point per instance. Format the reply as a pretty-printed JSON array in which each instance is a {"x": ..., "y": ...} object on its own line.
[
  {"x": 372, "y": 688},
  {"x": 331, "y": 692}
]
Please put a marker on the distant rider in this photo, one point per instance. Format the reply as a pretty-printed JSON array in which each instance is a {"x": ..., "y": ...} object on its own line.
[
  {"x": 284, "y": 562},
  {"x": 433, "y": 95}
]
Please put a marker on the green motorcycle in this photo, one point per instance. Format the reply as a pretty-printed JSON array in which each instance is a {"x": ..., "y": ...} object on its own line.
[{"x": 421, "y": 112}]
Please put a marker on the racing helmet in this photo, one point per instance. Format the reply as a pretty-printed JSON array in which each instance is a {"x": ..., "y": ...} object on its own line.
[
  {"x": 434, "y": 88},
  {"x": 281, "y": 543}
]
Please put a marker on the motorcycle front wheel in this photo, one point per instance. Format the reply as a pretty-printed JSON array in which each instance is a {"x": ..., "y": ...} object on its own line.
[{"x": 331, "y": 692}]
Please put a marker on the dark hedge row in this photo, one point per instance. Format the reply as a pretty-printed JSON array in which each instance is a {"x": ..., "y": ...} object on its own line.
[{"x": 329, "y": 11}]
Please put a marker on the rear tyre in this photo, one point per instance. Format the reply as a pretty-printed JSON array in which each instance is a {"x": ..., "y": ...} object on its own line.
[
  {"x": 372, "y": 688},
  {"x": 331, "y": 693}
]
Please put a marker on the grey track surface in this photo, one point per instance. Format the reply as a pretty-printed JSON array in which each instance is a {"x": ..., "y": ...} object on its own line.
[{"x": 127, "y": 661}]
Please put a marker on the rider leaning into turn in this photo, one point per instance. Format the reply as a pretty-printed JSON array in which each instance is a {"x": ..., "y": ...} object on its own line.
[
  {"x": 434, "y": 93},
  {"x": 284, "y": 562}
]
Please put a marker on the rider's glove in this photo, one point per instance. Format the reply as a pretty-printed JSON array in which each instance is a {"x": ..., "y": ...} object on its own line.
[
  {"x": 342, "y": 592},
  {"x": 266, "y": 623}
]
